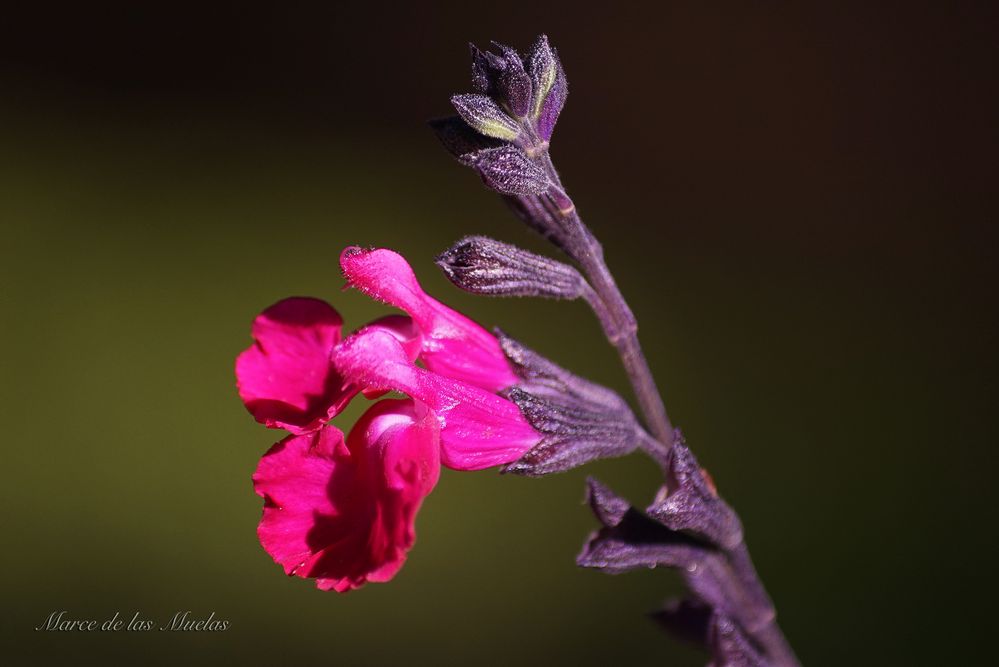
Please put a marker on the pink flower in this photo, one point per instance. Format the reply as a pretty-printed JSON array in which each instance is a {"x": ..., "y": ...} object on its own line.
[
  {"x": 478, "y": 429},
  {"x": 343, "y": 511},
  {"x": 285, "y": 379},
  {"x": 452, "y": 345}
]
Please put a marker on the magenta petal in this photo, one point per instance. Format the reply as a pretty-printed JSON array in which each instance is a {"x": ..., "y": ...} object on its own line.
[
  {"x": 293, "y": 477},
  {"x": 478, "y": 429},
  {"x": 285, "y": 378},
  {"x": 453, "y": 345},
  {"x": 344, "y": 513},
  {"x": 405, "y": 331}
]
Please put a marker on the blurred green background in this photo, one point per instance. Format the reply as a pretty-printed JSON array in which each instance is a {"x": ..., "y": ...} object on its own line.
[{"x": 796, "y": 202}]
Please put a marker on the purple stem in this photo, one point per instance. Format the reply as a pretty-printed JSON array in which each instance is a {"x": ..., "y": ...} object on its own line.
[
  {"x": 616, "y": 317},
  {"x": 621, "y": 329}
]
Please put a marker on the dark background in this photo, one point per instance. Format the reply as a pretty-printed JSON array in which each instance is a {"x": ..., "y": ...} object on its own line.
[{"x": 798, "y": 202}]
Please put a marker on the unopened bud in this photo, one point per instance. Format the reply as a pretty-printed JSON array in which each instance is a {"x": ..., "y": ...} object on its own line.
[
  {"x": 550, "y": 87},
  {"x": 485, "y": 116},
  {"x": 482, "y": 265},
  {"x": 503, "y": 78},
  {"x": 508, "y": 171}
]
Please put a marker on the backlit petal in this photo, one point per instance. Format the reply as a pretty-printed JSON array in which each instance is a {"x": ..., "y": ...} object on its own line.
[
  {"x": 285, "y": 378},
  {"x": 343, "y": 513},
  {"x": 478, "y": 429},
  {"x": 453, "y": 345}
]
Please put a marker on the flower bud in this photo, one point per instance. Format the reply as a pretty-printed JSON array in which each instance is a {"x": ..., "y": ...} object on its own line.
[
  {"x": 550, "y": 87},
  {"x": 514, "y": 83},
  {"x": 482, "y": 265},
  {"x": 544, "y": 70},
  {"x": 484, "y": 67},
  {"x": 507, "y": 170},
  {"x": 503, "y": 78},
  {"x": 485, "y": 116}
]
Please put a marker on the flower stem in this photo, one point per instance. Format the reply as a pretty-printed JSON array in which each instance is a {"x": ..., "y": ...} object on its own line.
[
  {"x": 616, "y": 317},
  {"x": 621, "y": 328}
]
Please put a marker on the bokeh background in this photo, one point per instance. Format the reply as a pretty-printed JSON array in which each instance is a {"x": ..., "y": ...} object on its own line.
[{"x": 796, "y": 201}]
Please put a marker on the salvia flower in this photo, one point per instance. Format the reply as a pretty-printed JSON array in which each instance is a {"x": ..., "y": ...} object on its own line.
[
  {"x": 451, "y": 344},
  {"x": 479, "y": 429},
  {"x": 341, "y": 509}
]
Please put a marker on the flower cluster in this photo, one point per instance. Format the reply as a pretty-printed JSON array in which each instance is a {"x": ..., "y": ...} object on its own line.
[
  {"x": 513, "y": 111},
  {"x": 342, "y": 510},
  {"x": 503, "y": 130}
]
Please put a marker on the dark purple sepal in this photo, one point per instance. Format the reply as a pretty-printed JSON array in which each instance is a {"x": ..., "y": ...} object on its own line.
[
  {"x": 514, "y": 84},
  {"x": 580, "y": 421},
  {"x": 542, "y": 377},
  {"x": 573, "y": 432},
  {"x": 689, "y": 501},
  {"x": 482, "y": 265},
  {"x": 482, "y": 67},
  {"x": 459, "y": 139},
  {"x": 485, "y": 116},
  {"x": 608, "y": 507},
  {"x": 503, "y": 78},
  {"x": 630, "y": 540},
  {"x": 549, "y": 108},
  {"x": 542, "y": 67},
  {"x": 507, "y": 170}
]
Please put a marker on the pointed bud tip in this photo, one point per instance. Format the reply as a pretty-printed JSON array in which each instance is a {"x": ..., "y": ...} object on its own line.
[
  {"x": 608, "y": 507},
  {"x": 485, "y": 116},
  {"x": 521, "y": 469},
  {"x": 482, "y": 265}
]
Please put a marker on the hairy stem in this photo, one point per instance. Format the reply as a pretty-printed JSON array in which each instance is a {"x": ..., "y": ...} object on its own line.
[
  {"x": 616, "y": 317},
  {"x": 621, "y": 328}
]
